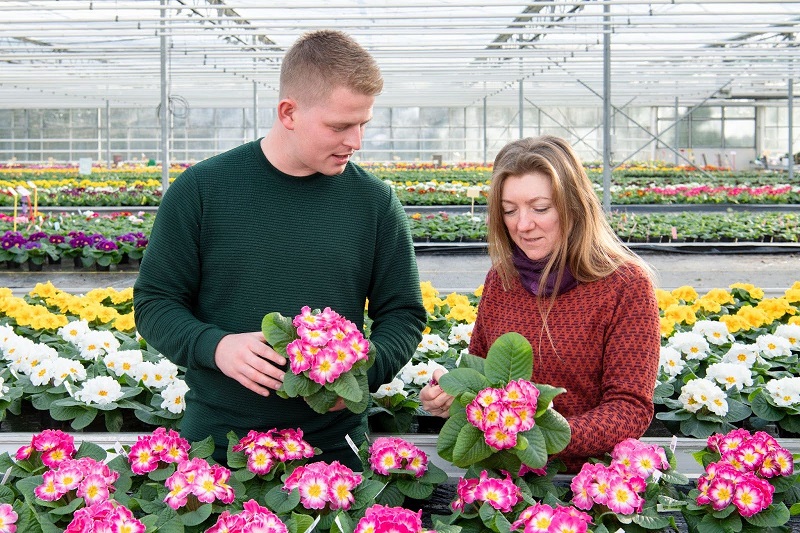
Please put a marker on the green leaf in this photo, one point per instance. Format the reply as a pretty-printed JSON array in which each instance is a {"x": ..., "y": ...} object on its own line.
[
  {"x": 366, "y": 492},
  {"x": 510, "y": 357},
  {"x": 64, "y": 413},
  {"x": 461, "y": 380},
  {"x": 203, "y": 448},
  {"x": 90, "y": 449},
  {"x": 279, "y": 331},
  {"x": 322, "y": 400},
  {"x": 472, "y": 361},
  {"x": 280, "y": 501},
  {"x": 413, "y": 489},
  {"x": 198, "y": 516},
  {"x": 361, "y": 405},
  {"x": 391, "y": 496},
  {"x": 775, "y": 515},
  {"x": 546, "y": 395},
  {"x": 448, "y": 435},
  {"x": 737, "y": 411},
  {"x": 292, "y": 383},
  {"x": 555, "y": 428},
  {"x": 762, "y": 408},
  {"x": 85, "y": 418},
  {"x": 347, "y": 387},
  {"x": 303, "y": 522},
  {"x": 535, "y": 454},
  {"x": 470, "y": 447}
]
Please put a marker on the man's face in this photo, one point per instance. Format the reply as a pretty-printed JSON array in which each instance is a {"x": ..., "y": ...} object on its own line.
[{"x": 325, "y": 134}]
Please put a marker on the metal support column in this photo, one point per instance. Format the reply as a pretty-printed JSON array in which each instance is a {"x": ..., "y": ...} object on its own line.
[
  {"x": 521, "y": 114},
  {"x": 255, "y": 110},
  {"x": 485, "y": 134},
  {"x": 108, "y": 134},
  {"x": 164, "y": 110},
  {"x": 790, "y": 105},
  {"x": 677, "y": 132},
  {"x": 607, "y": 107}
]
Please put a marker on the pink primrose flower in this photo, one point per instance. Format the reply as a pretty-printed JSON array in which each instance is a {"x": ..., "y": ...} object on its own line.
[
  {"x": 313, "y": 336},
  {"x": 207, "y": 482},
  {"x": 475, "y": 415},
  {"x": 502, "y": 494},
  {"x": 299, "y": 359},
  {"x": 542, "y": 518},
  {"x": 93, "y": 489},
  {"x": 640, "y": 459},
  {"x": 313, "y": 491},
  {"x": 344, "y": 354},
  {"x": 67, "y": 479},
  {"x": 179, "y": 490},
  {"x": 326, "y": 367},
  {"x": 8, "y": 517},
  {"x": 384, "y": 519},
  {"x": 340, "y": 492},
  {"x": 54, "y": 445},
  {"x": 141, "y": 458},
  {"x": 622, "y": 499},
  {"x": 752, "y": 496},
  {"x": 510, "y": 420},
  {"x": 260, "y": 461},
  {"x": 525, "y": 469},
  {"x": 724, "y": 443},
  {"x": 488, "y": 396},
  {"x": 357, "y": 343},
  {"x": 388, "y": 453},
  {"x": 106, "y": 516},
  {"x": 321, "y": 484},
  {"x": 306, "y": 318},
  {"x": 48, "y": 491},
  {"x": 500, "y": 438},
  {"x": 253, "y": 519}
]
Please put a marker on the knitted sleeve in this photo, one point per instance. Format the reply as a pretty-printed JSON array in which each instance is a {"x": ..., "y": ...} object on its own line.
[
  {"x": 395, "y": 298},
  {"x": 630, "y": 363},
  {"x": 479, "y": 343},
  {"x": 168, "y": 281}
]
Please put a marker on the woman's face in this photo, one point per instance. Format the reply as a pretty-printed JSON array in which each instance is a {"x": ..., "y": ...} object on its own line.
[{"x": 530, "y": 215}]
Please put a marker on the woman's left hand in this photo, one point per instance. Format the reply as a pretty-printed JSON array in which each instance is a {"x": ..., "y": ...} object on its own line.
[{"x": 434, "y": 400}]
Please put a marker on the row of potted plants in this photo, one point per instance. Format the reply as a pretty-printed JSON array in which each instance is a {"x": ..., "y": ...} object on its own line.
[
  {"x": 269, "y": 482},
  {"x": 744, "y": 346}
]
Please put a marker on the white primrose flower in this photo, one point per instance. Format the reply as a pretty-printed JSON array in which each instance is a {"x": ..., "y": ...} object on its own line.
[
  {"x": 163, "y": 373},
  {"x": 741, "y": 354},
  {"x": 390, "y": 389},
  {"x": 419, "y": 374},
  {"x": 790, "y": 332},
  {"x": 693, "y": 345},
  {"x": 785, "y": 392},
  {"x": 73, "y": 331},
  {"x": 91, "y": 344},
  {"x": 30, "y": 362},
  {"x": 144, "y": 372},
  {"x": 6, "y": 334},
  {"x": 670, "y": 361},
  {"x": 3, "y": 389},
  {"x": 699, "y": 393},
  {"x": 123, "y": 361},
  {"x": 432, "y": 343},
  {"x": 771, "y": 346},
  {"x": 62, "y": 368},
  {"x": 731, "y": 375},
  {"x": 460, "y": 334},
  {"x": 173, "y": 395},
  {"x": 100, "y": 390},
  {"x": 714, "y": 331}
]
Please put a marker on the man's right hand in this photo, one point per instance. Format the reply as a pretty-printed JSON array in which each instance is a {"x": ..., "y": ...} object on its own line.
[{"x": 248, "y": 359}]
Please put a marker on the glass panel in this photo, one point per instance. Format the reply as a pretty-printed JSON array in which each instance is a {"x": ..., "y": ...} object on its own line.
[
  {"x": 707, "y": 112},
  {"x": 740, "y": 133},
  {"x": 707, "y": 134},
  {"x": 740, "y": 112}
]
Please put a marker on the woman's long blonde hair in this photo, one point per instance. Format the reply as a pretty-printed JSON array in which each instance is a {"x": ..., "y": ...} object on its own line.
[{"x": 588, "y": 245}]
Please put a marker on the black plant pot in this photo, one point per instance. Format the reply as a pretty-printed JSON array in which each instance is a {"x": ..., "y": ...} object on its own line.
[
  {"x": 35, "y": 267},
  {"x": 102, "y": 268}
]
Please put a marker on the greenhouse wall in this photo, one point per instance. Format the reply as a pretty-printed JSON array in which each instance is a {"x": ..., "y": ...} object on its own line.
[{"x": 727, "y": 136}]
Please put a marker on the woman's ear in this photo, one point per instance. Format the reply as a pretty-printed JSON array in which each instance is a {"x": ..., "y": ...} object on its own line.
[{"x": 286, "y": 112}]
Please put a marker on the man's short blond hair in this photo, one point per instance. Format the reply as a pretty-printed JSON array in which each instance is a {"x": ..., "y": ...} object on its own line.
[{"x": 322, "y": 60}]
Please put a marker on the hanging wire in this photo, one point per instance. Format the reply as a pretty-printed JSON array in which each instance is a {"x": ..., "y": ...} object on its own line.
[{"x": 177, "y": 106}]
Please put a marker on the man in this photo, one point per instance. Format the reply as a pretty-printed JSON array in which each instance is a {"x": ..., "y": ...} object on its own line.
[{"x": 275, "y": 225}]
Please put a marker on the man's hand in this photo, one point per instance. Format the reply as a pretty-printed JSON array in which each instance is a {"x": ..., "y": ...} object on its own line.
[{"x": 246, "y": 358}]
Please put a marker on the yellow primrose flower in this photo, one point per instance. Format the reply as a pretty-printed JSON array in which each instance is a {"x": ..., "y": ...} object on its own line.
[
  {"x": 776, "y": 308},
  {"x": 735, "y": 323},
  {"x": 454, "y": 299},
  {"x": 721, "y": 296},
  {"x": 665, "y": 299},
  {"x": 754, "y": 291},
  {"x": 463, "y": 313},
  {"x": 754, "y": 317},
  {"x": 45, "y": 290},
  {"x": 667, "y": 326},
  {"x": 685, "y": 293},
  {"x": 793, "y": 294},
  {"x": 680, "y": 314},
  {"x": 428, "y": 291},
  {"x": 431, "y": 303},
  {"x": 107, "y": 314},
  {"x": 795, "y": 320},
  {"x": 706, "y": 304},
  {"x": 479, "y": 291},
  {"x": 125, "y": 322}
]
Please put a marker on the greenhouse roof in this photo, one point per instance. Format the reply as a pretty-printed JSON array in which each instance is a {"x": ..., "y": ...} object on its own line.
[{"x": 56, "y": 54}]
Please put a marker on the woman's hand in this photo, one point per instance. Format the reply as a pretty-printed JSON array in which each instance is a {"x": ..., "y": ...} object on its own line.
[{"x": 434, "y": 400}]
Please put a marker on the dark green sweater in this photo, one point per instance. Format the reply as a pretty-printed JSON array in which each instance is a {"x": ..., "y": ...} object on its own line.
[{"x": 235, "y": 239}]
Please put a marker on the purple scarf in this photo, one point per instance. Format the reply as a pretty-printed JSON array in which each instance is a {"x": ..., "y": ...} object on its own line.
[{"x": 530, "y": 274}]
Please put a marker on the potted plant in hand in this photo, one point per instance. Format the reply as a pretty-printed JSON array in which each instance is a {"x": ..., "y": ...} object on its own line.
[{"x": 498, "y": 418}]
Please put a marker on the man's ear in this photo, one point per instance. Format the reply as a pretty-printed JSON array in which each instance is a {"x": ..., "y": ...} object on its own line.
[{"x": 286, "y": 110}]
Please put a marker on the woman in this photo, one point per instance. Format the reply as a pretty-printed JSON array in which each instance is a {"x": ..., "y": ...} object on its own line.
[{"x": 585, "y": 302}]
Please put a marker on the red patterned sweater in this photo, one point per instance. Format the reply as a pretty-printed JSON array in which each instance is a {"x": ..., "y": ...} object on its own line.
[{"x": 606, "y": 338}]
